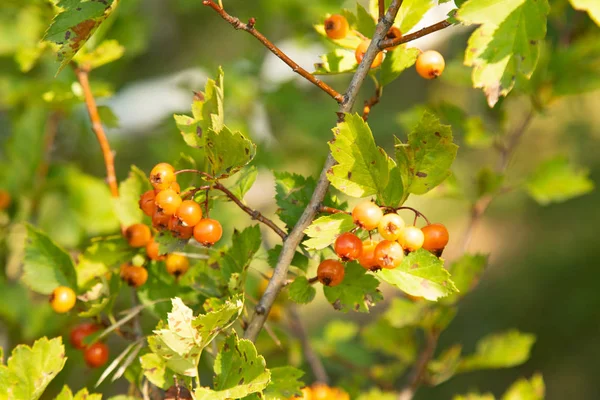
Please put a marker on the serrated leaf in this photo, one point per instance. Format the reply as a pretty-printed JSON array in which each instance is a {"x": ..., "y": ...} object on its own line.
[
  {"x": 506, "y": 44},
  {"x": 363, "y": 169},
  {"x": 466, "y": 272},
  {"x": 107, "y": 52},
  {"x": 365, "y": 23},
  {"x": 338, "y": 61},
  {"x": 75, "y": 24},
  {"x": 127, "y": 204},
  {"x": 284, "y": 383},
  {"x": 411, "y": 12},
  {"x": 301, "y": 291},
  {"x": 156, "y": 371},
  {"x": 426, "y": 159},
  {"x": 228, "y": 151},
  {"x": 299, "y": 260},
  {"x": 83, "y": 394},
  {"x": 245, "y": 179},
  {"x": 167, "y": 243},
  {"x": 444, "y": 367},
  {"x": 46, "y": 265},
  {"x": 238, "y": 257},
  {"x": 500, "y": 350},
  {"x": 358, "y": 291},
  {"x": 592, "y": 7},
  {"x": 523, "y": 389},
  {"x": 324, "y": 230},
  {"x": 293, "y": 193},
  {"x": 349, "y": 42},
  {"x": 396, "y": 61},
  {"x": 556, "y": 180},
  {"x": 239, "y": 371},
  {"x": 420, "y": 274},
  {"x": 29, "y": 370}
]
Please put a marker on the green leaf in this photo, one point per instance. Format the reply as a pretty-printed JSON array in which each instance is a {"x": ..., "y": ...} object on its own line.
[
  {"x": 324, "y": 230},
  {"x": 396, "y": 62},
  {"x": 339, "y": 61},
  {"x": 284, "y": 383},
  {"x": 156, "y": 371},
  {"x": 228, "y": 151},
  {"x": 363, "y": 169},
  {"x": 382, "y": 337},
  {"x": 245, "y": 179},
  {"x": 476, "y": 134},
  {"x": 445, "y": 366},
  {"x": 102, "y": 254},
  {"x": 29, "y": 370},
  {"x": 426, "y": 159},
  {"x": 505, "y": 47},
  {"x": 592, "y": 7},
  {"x": 404, "y": 313},
  {"x": 523, "y": 389},
  {"x": 358, "y": 291},
  {"x": 376, "y": 394},
  {"x": 108, "y": 117},
  {"x": 107, "y": 52},
  {"x": 500, "y": 350},
  {"x": 411, "y": 12},
  {"x": 167, "y": 243},
  {"x": 299, "y": 260},
  {"x": 365, "y": 23},
  {"x": 83, "y": 394},
  {"x": 46, "y": 265},
  {"x": 573, "y": 69},
  {"x": 293, "y": 193},
  {"x": 239, "y": 371},
  {"x": 301, "y": 291},
  {"x": 475, "y": 396},
  {"x": 420, "y": 274},
  {"x": 244, "y": 246},
  {"x": 349, "y": 42},
  {"x": 338, "y": 331},
  {"x": 466, "y": 272},
  {"x": 127, "y": 204},
  {"x": 75, "y": 24},
  {"x": 556, "y": 181}
]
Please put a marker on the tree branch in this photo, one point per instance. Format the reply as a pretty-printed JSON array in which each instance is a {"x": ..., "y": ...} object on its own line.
[
  {"x": 309, "y": 354},
  {"x": 385, "y": 43},
  {"x": 90, "y": 102},
  {"x": 297, "y": 233},
  {"x": 249, "y": 27},
  {"x": 381, "y": 9}
]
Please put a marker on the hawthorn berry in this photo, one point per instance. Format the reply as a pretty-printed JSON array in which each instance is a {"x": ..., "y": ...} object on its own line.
[
  {"x": 168, "y": 201},
  {"x": 393, "y": 33},
  {"x": 367, "y": 259},
  {"x": 430, "y": 64},
  {"x": 173, "y": 186},
  {"x": 330, "y": 272},
  {"x": 178, "y": 230},
  {"x": 80, "y": 332},
  {"x": 336, "y": 27},
  {"x": 348, "y": 246},
  {"x": 390, "y": 226},
  {"x": 208, "y": 231},
  {"x": 134, "y": 276},
  {"x": 138, "y": 235},
  {"x": 5, "y": 199},
  {"x": 147, "y": 202},
  {"x": 152, "y": 251},
  {"x": 62, "y": 299},
  {"x": 361, "y": 49},
  {"x": 436, "y": 237},
  {"x": 177, "y": 265},
  {"x": 160, "y": 220},
  {"x": 389, "y": 254},
  {"x": 411, "y": 238},
  {"x": 189, "y": 213},
  {"x": 162, "y": 175},
  {"x": 367, "y": 215},
  {"x": 96, "y": 355}
]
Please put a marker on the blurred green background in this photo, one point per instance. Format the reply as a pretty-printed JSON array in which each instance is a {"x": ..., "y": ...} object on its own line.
[{"x": 543, "y": 277}]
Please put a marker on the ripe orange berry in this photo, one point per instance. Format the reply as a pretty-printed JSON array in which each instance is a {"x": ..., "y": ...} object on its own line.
[
  {"x": 138, "y": 235},
  {"x": 436, "y": 237},
  {"x": 411, "y": 238},
  {"x": 430, "y": 64},
  {"x": 162, "y": 175},
  {"x": 147, "y": 202},
  {"x": 389, "y": 254},
  {"x": 390, "y": 226},
  {"x": 177, "y": 265},
  {"x": 189, "y": 213},
  {"x": 367, "y": 260},
  {"x": 168, "y": 201},
  {"x": 208, "y": 231},
  {"x": 152, "y": 251},
  {"x": 160, "y": 220},
  {"x": 5, "y": 199},
  {"x": 361, "y": 49},
  {"x": 337, "y": 27},
  {"x": 96, "y": 355},
  {"x": 178, "y": 230},
  {"x": 348, "y": 246},
  {"x": 173, "y": 186},
  {"x": 134, "y": 276},
  {"x": 62, "y": 299},
  {"x": 330, "y": 272},
  {"x": 367, "y": 215},
  {"x": 80, "y": 332},
  {"x": 393, "y": 33}
]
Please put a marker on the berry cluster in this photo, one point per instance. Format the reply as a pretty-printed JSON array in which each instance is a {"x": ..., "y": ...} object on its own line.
[
  {"x": 430, "y": 64},
  {"x": 95, "y": 355},
  {"x": 321, "y": 391},
  {"x": 397, "y": 239}
]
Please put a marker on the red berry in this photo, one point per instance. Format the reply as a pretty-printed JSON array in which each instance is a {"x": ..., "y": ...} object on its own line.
[
  {"x": 62, "y": 299},
  {"x": 348, "y": 246},
  {"x": 411, "y": 238},
  {"x": 208, "y": 231},
  {"x": 390, "y": 226},
  {"x": 389, "y": 254},
  {"x": 168, "y": 201},
  {"x": 147, "y": 202},
  {"x": 162, "y": 175},
  {"x": 80, "y": 332},
  {"x": 336, "y": 27},
  {"x": 5, "y": 199},
  {"x": 138, "y": 235},
  {"x": 436, "y": 237},
  {"x": 367, "y": 259},
  {"x": 362, "y": 49},
  {"x": 160, "y": 220},
  {"x": 430, "y": 64},
  {"x": 189, "y": 213},
  {"x": 96, "y": 355},
  {"x": 134, "y": 276},
  {"x": 177, "y": 265},
  {"x": 367, "y": 215},
  {"x": 178, "y": 230},
  {"x": 330, "y": 272}
]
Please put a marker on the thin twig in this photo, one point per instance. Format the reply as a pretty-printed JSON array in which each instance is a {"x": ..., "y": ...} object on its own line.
[
  {"x": 381, "y": 9},
  {"x": 249, "y": 27},
  {"x": 308, "y": 215},
  {"x": 90, "y": 102},
  {"x": 420, "y": 370},
  {"x": 331, "y": 210},
  {"x": 372, "y": 102},
  {"x": 385, "y": 43},
  {"x": 313, "y": 360}
]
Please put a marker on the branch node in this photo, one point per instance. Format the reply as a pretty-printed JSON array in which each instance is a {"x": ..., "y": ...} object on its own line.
[{"x": 251, "y": 23}]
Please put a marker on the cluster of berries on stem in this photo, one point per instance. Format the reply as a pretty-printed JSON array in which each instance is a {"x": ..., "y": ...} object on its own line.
[{"x": 95, "y": 355}]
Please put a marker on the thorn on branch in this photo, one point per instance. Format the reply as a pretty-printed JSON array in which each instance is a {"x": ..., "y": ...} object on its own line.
[{"x": 251, "y": 23}]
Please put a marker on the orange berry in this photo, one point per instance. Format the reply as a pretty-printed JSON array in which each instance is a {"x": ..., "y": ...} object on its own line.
[
  {"x": 436, "y": 237},
  {"x": 147, "y": 202},
  {"x": 390, "y": 226},
  {"x": 411, "y": 238},
  {"x": 367, "y": 260},
  {"x": 189, "y": 213},
  {"x": 336, "y": 27},
  {"x": 80, "y": 332},
  {"x": 160, "y": 220},
  {"x": 152, "y": 251},
  {"x": 134, "y": 276},
  {"x": 348, "y": 246},
  {"x": 5, "y": 199},
  {"x": 208, "y": 231},
  {"x": 96, "y": 355},
  {"x": 177, "y": 265},
  {"x": 178, "y": 230},
  {"x": 389, "y": 254},
  {"x": 62, "y": 299},
  {"x": 430, "y": 64},
  {"x": 367, "y": 215},
  {"x": 393, "y": 33},
  {"x": 168, "y": 201},
  {"x": 138, "y": 235},
  {"x": 330, "y": 272},
  {"x": 162, "y": 175},
  {"x": 361, "y": 49}
]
